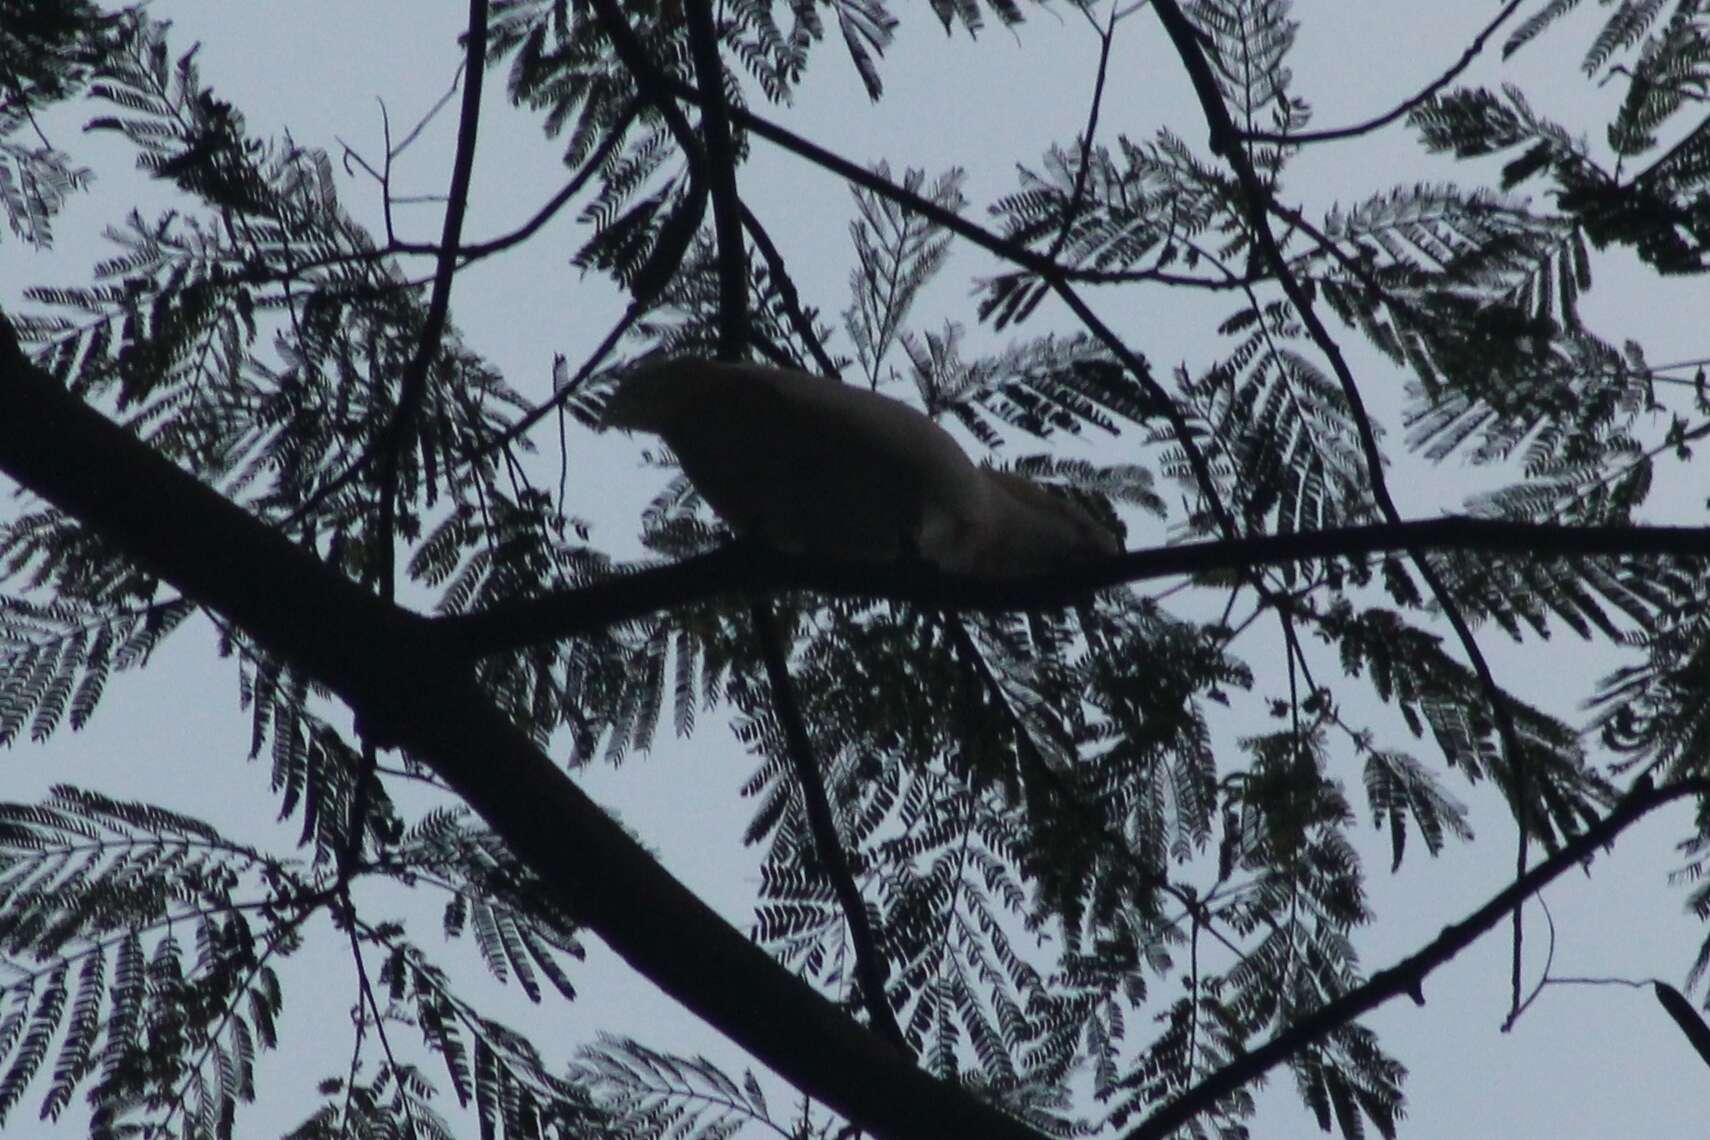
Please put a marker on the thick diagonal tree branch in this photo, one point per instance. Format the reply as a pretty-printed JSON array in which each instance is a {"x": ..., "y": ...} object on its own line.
[{"x": 390, "y": 667}]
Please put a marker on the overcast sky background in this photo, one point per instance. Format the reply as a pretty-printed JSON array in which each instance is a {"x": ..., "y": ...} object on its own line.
[{"x": 1584, "y": 1062}]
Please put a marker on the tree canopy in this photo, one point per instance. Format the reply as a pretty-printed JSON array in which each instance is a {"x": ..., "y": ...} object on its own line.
[{"x": 1076, "y": 853}]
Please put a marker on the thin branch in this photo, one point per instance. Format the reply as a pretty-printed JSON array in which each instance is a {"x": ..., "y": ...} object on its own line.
[
  {"x": 412, "y": 389},
  {"x": 870, "y": 965},
  {"x": 721, "y": 181},
  {"x": 1517, "y": 1009},
  {"x": 1226, "y": 142},
  {"x": 871, "y": 969},
  {"x": 427, "y": 117},
  {"x": 464, "y": 256},
  {"x": 476, "y": 251},
  {"x": 517, "y": 430},
  {"x": 1071, "y": 212},
  {"x": 1056, "y": 276},
  {"x": 275, "y": 936},
  {"x": 655, "y": 86},
  {"x": 994, "y": 243},
  {"x": 740, "y": 566},
  {"x": 1408, "y": 975},
  {"x": 786, "y": 286},
  {"x": 1621, "y": 983},
  {"x": 447, "y": 255},
  {"x": 1402, "y": 109},
  {"x": 367, "y": 997}
]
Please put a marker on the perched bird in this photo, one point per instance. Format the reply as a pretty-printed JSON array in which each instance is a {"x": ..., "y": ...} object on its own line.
[{"x": 812, "y": 466}]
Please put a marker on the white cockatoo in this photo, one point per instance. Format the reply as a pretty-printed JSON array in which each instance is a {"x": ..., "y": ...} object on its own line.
[{"x": 813, "y": 466}]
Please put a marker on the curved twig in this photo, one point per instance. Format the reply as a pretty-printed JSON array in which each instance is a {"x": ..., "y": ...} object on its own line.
[{"x": 1401, "y": 109}]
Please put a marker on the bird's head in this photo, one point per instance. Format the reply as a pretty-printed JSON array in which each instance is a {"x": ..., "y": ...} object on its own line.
[{"x": 652, "y": 396}]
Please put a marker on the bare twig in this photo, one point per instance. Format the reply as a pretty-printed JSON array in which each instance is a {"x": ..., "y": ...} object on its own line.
[
  {"x": 570, "y": 388},
  {"x": 367, "y": 997},
  {"x": 477, "y": 250},
  {"x": 390, "y": 441}
]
